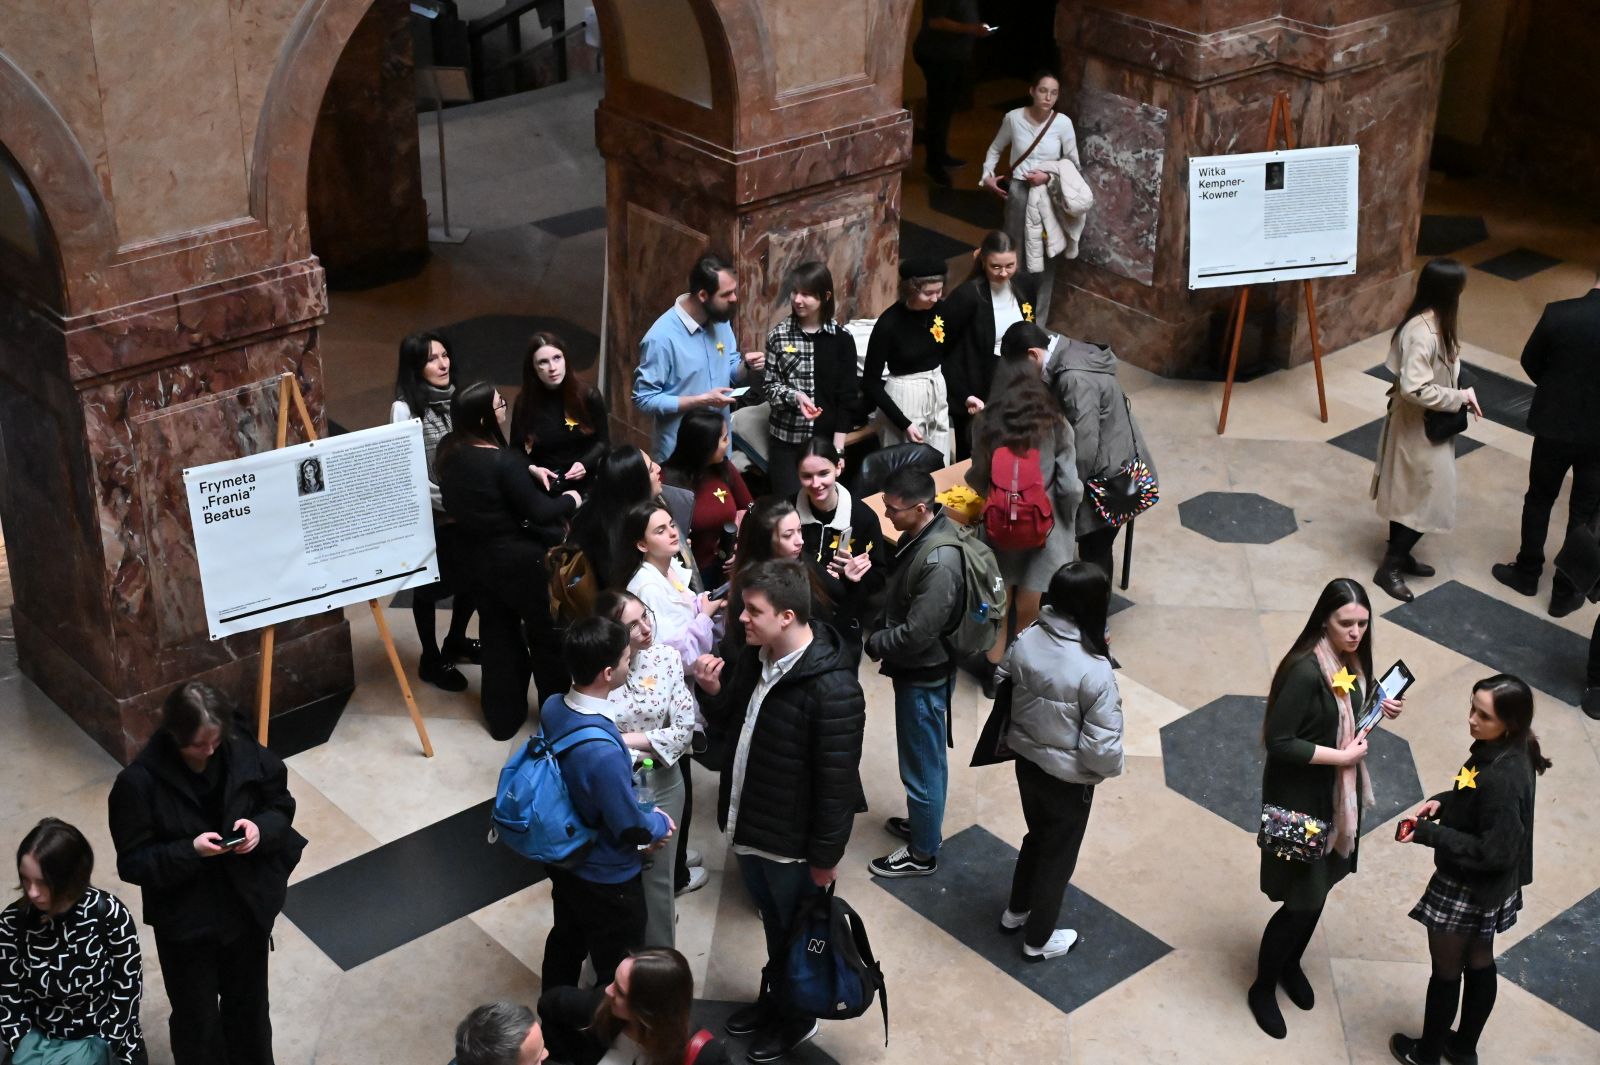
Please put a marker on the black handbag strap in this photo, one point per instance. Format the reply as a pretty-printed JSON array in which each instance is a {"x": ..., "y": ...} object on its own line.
[{"x": 1011, "y": 168}]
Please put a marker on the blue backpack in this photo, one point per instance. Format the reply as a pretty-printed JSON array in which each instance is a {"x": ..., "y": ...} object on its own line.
[
  {"x": 830, "y": 971},
  {"x": 533, "y": 814}
]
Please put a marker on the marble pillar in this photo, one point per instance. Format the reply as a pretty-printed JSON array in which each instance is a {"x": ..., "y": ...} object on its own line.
[
  {"x": 364, "y": 203},
  {"x": 792, "y": 152},
  {"x": 1151, "y": 83}
]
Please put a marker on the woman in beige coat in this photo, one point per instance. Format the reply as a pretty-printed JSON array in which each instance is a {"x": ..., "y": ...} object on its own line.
[{"x": 1415, "y": 479}]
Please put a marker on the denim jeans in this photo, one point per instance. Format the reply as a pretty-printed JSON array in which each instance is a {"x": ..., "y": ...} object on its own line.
[
  {"x": 777, "y": 889},
  {"x": 920, "y": 730}
]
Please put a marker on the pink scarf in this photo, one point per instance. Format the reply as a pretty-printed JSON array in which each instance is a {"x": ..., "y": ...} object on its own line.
[{"x": 1352, "y": 789}]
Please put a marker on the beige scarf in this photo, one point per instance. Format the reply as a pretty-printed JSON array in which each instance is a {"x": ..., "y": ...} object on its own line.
[{"x": 1352, "y": 788}]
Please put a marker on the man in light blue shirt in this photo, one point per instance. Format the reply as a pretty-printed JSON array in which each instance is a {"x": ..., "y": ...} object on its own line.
[{"x": 689, "y": 357}]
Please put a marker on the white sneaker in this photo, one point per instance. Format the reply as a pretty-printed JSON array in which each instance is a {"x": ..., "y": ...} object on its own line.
[
  {"x": 1012, "y": 922},
  {"x": 697, "y": 880},
  {"x": 691, "y": 858},
  {"x": 1059, "y": 943}
]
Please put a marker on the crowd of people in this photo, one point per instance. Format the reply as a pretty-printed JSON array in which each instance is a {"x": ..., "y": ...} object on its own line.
[{"x": 695, "y": 610}]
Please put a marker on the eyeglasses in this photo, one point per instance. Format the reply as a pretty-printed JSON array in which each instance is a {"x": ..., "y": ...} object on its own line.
[
  {"x": 889, "y": 508},
  {"x": 648, "y": 617}
]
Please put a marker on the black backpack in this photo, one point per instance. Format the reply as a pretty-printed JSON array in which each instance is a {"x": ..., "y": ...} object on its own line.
[{"x": 830, "y": 972}]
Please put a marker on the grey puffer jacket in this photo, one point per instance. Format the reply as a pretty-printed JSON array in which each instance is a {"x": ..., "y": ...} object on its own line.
[
  {"x": 1084, "y": 378},
  {"x": 1066, "y": 712}
]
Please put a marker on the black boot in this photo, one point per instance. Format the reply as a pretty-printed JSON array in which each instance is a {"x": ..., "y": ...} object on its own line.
[
  {"x": 1412, "y": 568},
  {"x": 463, "y": 649},
  {"x": 1263, "y": 999},
  {"x": 762, "y": 1013},
  {"x": 1388, "y": 578}
]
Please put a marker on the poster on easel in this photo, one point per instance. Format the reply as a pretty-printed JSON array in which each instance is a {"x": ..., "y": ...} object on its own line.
[
  {"x": 299, "y": 530},
  {"x": 1273, "y": 216}
]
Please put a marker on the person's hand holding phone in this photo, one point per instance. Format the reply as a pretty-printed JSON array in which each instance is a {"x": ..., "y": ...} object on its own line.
[
  {"x": 252, "y": 836},
  {"x": 717, "y": 397},
  {"x": 209, "y": 844},
  {"x": 707, "y": 672}
]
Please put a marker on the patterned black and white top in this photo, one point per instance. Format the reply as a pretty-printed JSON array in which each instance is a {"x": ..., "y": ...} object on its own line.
[{"x": 72, "y": 977}]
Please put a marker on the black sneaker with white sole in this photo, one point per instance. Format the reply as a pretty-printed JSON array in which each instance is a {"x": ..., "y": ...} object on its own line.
[
  {"x": 902, "y": 863},
  {"x": 898, "y": 826}
]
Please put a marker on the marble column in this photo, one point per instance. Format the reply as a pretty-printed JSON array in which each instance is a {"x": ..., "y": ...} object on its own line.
[
  {"x": 792, "y": 152},
  {"x": 1150, "y": 83},
  {"x": 364, "y": 203}
]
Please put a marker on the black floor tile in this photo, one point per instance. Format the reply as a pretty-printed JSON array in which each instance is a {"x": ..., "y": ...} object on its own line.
[
  {"x": 1561, "y": 961},
  {"x": 974, "y": 206},
  {"x": 573, "y": 223},
  {"x": 1517, "y": 264},
  {"x": 919, "y": 242},
  {"x": 1505, "y": 400},
  {"x": 969, "y": 892},
  {"x": 712, "y": 1014},
  {"x": 1237, "y": 517},
  {"x": 492, "y": 347},
  {"x": 1446, "y": 234},
  {"x": 403, "y": 890},
  {"x": 1499, "y": 635},
  {"x": 1213, "y": 757},
  {"x": 1363, "y": 441}
]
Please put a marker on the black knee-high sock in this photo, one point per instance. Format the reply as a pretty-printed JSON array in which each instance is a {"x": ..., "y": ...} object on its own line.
[
  {"x": 461, "y": 611},
  {"x": 1401, "y": 540},
  {"x": 1439, "y": 1010},
  {"x": 1478, "y": 992}
]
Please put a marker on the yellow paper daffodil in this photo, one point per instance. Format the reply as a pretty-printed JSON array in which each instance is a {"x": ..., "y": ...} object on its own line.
[
  {"x": 1467, "y": 778},
  {"x": 937, "y": 330},
  {"x": 1027, "y": 312},
  {"x": 1344, "y": 681}
]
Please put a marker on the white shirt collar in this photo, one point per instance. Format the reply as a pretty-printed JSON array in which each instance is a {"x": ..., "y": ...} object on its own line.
[
  {"x": 683, "y": 316},
  {"x": 784, "y": 664},
  {"x": 587, "y": 704}
]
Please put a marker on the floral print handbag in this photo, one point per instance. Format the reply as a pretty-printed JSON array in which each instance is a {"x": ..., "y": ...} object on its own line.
[{"x": 1292, "y": 836}]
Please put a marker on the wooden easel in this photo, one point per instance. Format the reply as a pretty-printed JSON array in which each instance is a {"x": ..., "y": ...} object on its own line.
[
  {"x": 1280, "y": 115},
  {"x": 289, "y": 386}
]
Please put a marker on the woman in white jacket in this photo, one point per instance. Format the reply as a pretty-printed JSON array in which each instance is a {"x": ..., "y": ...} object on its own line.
[
  {"x": 1052, "y": 139},
  {"x": 1066, "y": 729}
]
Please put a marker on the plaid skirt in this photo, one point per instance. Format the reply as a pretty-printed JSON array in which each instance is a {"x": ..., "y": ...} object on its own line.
[{"x": 1447, "y": 907}]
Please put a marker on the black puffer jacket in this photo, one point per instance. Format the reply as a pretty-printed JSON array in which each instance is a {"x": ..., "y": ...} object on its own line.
[
  {"x": 803, "y": 779},
  {"x": 1484, "y": 834},
  {"x": 155, "y": 817}
]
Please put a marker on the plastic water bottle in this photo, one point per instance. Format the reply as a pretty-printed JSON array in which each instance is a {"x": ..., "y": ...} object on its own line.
[{"x": 643, "y": 791}]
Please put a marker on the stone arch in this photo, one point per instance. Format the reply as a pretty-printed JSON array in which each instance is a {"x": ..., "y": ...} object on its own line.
[
  {"x": 61, "y": 179},
  {"x": 289, "y": 108},
  {"x": 714, "y": 117}
]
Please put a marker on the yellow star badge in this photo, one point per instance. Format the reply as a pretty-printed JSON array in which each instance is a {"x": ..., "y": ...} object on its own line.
[
  {"x": 1467, "y": 778},
  {"x": 1027, "y": 312},
  {"x": 648, "y": 682},
  {"x": 1344, "y": 681},
  {"x": 721, "y": 494},
  {"x": 835, "y": 545},
  {"x": 572, "y": 423},
  {"x": 679, "y": 586},
  {"x": 1311, "y": 828},
  {"x": 788, "y": 349},
  {"x": 937, "y": 330},
  {"x": 719, "y": 346}
]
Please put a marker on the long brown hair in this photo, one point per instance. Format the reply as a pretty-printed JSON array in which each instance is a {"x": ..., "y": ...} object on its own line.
[
  {"x": 1513, "y": 705},
  {"x": 1336, "y": 595},
  {"x": 1439, "y": 285},
  {"x": 660, "y": 993},
  {"x": 1021, "y": 412},
  {"x": 576, "y": 393},
  {"x": 995, "y": 242}
]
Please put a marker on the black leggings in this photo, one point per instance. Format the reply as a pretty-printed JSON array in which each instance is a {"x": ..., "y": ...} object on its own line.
[
  {"x": 1284, "y": 942},
  {"x": 1402, "y": 540}
]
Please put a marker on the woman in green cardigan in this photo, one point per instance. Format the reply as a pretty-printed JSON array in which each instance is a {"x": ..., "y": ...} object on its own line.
[{"x": 1314, "y": 766}]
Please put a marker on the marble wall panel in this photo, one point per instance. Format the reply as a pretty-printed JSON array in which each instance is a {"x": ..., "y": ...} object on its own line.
[
  {"x": 171, "y": 107},
  {"x": 682, "y": 71},
  {"x": 1122, "y": 144},
  {"x": 51, "y": 42},
  {"x": 259, "y": 28},
  {"x": 806, "y": 55},
  {"x": 844, "y": 229}
]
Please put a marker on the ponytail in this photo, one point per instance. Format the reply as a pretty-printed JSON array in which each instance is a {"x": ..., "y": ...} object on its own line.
[
  {"x": 1535, "y": 756},
  {"x": 1513, "y": 705}
]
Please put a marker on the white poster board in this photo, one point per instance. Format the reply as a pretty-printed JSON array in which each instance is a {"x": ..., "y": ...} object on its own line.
[
  {"x": 303, "y": 529},
  {"x": 1273, "y": 216}
]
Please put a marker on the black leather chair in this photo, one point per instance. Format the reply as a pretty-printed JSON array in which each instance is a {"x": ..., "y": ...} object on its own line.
[{"x": 877, "y": 467}]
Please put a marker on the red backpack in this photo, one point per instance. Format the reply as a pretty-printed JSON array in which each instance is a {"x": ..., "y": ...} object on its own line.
[{"x": 1017, "y": 514}]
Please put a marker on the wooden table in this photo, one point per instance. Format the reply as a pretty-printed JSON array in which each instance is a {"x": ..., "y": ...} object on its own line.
[{"x": 942, "y": 479}]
